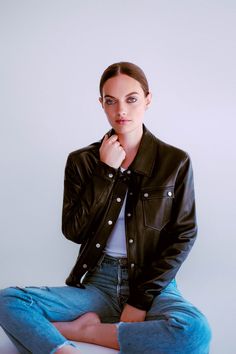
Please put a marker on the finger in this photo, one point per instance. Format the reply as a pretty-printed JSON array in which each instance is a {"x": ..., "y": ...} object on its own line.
[
  {"x": 112, "y": 139},
  {"x": 105, "y": 138},
  {"x": 104, "y": 141},
  {"x": 116, "y": 144}
]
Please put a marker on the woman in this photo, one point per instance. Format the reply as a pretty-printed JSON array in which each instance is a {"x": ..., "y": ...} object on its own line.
[{"x": 129, "y": 202}]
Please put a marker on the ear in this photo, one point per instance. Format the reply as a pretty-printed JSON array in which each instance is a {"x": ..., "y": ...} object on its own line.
[
  {"x": 148, "y": 99},
  {"x": 101, "y": 101}
]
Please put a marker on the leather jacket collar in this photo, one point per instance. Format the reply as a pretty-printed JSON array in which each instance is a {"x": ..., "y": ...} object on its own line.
[{"x": 146, "y": 155}]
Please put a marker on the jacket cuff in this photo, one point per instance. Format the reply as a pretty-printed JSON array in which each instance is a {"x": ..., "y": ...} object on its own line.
[
  {"x": 140, "y": 300},
  {"x": 106, "y": 171}
]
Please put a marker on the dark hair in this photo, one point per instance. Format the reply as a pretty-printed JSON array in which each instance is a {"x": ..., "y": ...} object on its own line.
[{"x": 126, "y": 68}]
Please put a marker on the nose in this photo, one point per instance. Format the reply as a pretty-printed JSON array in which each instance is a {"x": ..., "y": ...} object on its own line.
[{"x": 121, "y": 112}]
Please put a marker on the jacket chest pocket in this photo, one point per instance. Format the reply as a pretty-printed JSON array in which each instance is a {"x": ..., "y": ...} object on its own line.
[{"x": 157, "y": 204}]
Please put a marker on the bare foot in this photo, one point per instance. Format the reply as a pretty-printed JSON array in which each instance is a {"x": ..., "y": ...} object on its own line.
[{"x": 73, "y": 330}]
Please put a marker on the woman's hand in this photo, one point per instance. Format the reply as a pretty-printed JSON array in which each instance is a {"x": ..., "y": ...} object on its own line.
[
  {"x": 132, "y": 314},
  {"x": 111, "y": 152}
]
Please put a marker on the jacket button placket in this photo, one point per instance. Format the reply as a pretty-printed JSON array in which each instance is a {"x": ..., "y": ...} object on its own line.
[{"x": 130, "y": 231}]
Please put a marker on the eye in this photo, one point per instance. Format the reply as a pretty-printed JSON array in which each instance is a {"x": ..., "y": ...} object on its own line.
[
  {"x": 109, "y": 101},
  {"x": 131, "y": 99}
]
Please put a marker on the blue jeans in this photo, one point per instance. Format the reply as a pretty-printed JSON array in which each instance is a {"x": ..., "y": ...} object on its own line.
[{"x": 172, "y": 325}]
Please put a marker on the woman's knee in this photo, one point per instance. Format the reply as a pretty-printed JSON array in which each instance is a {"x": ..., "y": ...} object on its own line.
[
  {"x": 5, "y": 297},
  {"x": 193, "y": 332},
  {"x": 202, "y": 333},
  {"x": 8, "y": 297},
  {"x": 7, "y": 294}
]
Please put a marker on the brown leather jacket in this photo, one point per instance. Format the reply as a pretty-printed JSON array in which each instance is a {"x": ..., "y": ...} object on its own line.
[{"x": 160, "y": 216}]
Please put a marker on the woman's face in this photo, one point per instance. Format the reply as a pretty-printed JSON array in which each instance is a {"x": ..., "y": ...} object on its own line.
[{"x": 124, "y": 103}]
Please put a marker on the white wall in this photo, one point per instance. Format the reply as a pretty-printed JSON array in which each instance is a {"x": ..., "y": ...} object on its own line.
[{"x": 52, "y": 56}]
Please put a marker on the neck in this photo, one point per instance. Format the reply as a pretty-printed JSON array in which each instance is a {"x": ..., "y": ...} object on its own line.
[{"x": 130, "y": 143}]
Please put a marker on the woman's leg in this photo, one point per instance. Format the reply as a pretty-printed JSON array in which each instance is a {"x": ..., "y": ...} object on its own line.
[
  {"x": 26, "y": 314},
  {"x": 89, "y": 329},
  {"x": 113, "y": 279},
  {"x": 65, "y": 349},
  {"x": 172, "y": 325}
]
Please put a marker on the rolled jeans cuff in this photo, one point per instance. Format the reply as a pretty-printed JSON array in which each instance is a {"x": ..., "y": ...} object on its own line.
[{"x": 67, "y": 342}]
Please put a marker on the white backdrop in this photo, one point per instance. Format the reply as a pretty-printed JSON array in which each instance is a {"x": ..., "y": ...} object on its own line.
[{"x": 52, "y": 56}]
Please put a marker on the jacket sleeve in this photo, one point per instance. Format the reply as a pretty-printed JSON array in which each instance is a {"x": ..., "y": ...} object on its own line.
[
  {"x": 85, "y": 194},
  {"x": 175, "y": 243}
]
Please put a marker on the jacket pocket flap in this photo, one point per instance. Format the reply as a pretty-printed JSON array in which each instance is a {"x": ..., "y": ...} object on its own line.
[{"x": 157, "y": 192}]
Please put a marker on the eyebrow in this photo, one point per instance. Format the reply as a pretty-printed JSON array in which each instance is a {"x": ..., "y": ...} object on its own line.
[{"x": 131, "y": 93}]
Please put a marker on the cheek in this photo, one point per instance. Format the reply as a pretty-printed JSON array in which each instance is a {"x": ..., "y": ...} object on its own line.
[
  {"x": 109, "y": 113},
  {"x": 139, "y": 110}
]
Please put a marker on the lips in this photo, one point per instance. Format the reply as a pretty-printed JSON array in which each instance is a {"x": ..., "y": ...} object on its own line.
[{"x": 122, "y": 121}]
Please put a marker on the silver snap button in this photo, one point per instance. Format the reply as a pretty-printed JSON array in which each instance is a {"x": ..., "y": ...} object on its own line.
[
  {"x": 169, "y": 193},
  {"x": 130, "y": 193},
  {"x": 128, "y": 172},
  {"x": 98, "y": 245},
  {"x": 129, "y": 215},
  {"x": 85, "y": 266},
  {"x": 118, "y": 200},
  {"x": 146, "y": 195},
  {"x": 110, "y": 175},
  {"x": 131, "y": 240},
  {"x": 109, "y": 222},
  {"x": 132, "y": 265}
]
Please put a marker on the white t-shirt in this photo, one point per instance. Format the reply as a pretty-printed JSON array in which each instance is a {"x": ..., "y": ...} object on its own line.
[{"x": 116, "y": 244}]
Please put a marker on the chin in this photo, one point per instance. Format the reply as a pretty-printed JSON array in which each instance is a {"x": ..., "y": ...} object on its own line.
[{"x": 126, "y": 130}]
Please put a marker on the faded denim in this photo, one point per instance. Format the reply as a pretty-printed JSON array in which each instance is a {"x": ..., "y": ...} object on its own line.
[{"x": 172, "y": 326}]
